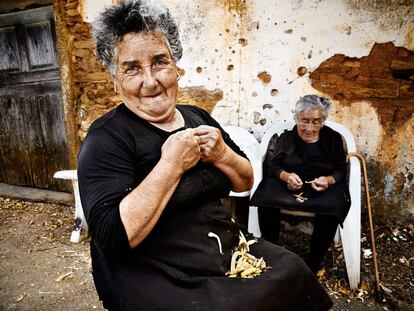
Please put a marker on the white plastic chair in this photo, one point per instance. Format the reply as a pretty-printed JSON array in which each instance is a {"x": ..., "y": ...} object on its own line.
[
  {"x": 251, "y": 147},
  {"x": 351, "y": 232},
  {"x": 80, "y": 221}
]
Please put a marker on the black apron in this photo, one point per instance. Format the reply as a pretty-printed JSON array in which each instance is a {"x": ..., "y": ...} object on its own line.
[
  {"x": 272, "y": 192},
  {"x": 178, "y": 267}
]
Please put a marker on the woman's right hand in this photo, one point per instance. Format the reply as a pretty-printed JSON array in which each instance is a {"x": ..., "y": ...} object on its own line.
[
  {"x": 182, "y": 150},
  {"x": 294, "y": 182}
]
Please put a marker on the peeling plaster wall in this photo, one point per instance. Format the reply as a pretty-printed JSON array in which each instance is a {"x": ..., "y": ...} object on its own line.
[
  {"x": 251, "y": 60},
  {"x": 276, "y": 37},
  {"x": 384, "y": 81}
]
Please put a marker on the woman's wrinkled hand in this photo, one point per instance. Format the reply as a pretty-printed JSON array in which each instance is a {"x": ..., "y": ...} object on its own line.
[
  {"x": 182, "y": 149},
  {"x": 320, "y": 184},
  {"x": 294, "y": 182},
  {"x": 212, "y": 145}
]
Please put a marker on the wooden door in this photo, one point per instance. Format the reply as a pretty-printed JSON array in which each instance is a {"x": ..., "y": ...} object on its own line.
[{"x": 32, "y": 131}]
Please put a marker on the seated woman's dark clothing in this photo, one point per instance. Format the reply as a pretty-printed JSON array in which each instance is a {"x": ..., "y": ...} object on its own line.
[
  {"x": 177, "y": 266},
  {"x": 309, "y": 161},
  {"x": 325, "y": 157}
]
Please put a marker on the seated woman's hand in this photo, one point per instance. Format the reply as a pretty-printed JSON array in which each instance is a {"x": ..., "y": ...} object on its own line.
[
  {"x": 322, "y": 183},
  {"x": 212, "y": 145},
  {"x": 294, "y": 182},
  {"x": 182, "y": 149}
]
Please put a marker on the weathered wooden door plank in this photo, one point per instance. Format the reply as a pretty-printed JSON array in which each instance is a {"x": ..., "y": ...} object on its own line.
[
  {"x": 32, "y": 129},
  {"x": 14, "y": 151},
  {"x": 53, "y": 132}
]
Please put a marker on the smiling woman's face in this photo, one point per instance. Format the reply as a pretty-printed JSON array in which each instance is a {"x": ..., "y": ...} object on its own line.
[
  {"x": 309, "y": 125},
  {"x": 146, "y": 76}
]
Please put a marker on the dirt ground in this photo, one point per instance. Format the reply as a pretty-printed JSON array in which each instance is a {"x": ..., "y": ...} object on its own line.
[
  {"x": 395, "y": 255},
  {"x": 41, "y": 270}
]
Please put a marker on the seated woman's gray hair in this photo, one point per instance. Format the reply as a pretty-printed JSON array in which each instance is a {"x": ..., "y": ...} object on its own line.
[
  {"x": 312, "y": 102},
  {"x": 133, "y": 16}
]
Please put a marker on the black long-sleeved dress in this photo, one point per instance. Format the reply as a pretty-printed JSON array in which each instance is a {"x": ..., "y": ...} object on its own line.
[
  {"x": 177, "y": 266},
  {"x": 326, "y": 157}
]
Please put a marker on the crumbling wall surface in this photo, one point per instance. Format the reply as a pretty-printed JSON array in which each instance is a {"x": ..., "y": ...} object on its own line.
[
  {"x": 91, "y": 91},
  {"x": 63, "y": 45},
  {"x": 249, "y": 61},
  {"x": 89, "y": 84},
  {"x": 383, "y": 80},
  {"x": 264, "y": 55}
]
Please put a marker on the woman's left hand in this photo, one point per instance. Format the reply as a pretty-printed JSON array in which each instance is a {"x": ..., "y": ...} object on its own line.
[
  {"x": 212, "y": 145},
  {"x": 322, "y": 183},
  {"x": 213, "y": 149}
]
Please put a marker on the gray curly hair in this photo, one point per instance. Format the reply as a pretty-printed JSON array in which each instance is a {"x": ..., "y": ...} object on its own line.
[
  {"x": 133, "y": 16},
  {"x": 312, "y": 102}
]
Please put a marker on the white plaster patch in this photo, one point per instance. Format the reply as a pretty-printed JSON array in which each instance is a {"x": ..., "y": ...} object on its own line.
[
  {"x": 91, "y": 9},
  {"x": 362, "y": 120}
]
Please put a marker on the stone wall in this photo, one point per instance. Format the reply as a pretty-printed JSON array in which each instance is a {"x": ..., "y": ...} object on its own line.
[{"x": 90, "y": 86}]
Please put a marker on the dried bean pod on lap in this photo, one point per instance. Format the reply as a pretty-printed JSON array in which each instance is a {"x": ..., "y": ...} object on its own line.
[{"x": 243, "y": 264}]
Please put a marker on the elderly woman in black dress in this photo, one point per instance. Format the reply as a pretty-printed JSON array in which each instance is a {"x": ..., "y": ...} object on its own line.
[
  {"x": 151, "y": 176},
  {"x": 307, "y": 161}
]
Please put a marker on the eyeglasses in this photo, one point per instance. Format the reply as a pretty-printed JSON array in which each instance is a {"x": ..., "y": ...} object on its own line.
[
  {"x": 156, "y": 67},
  {"x": 308, "y": 124}
]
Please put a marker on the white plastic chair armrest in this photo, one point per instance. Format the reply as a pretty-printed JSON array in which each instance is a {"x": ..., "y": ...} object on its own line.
[
  {"x": 68, "y": 174},
  {"x": 239, "y": 194}
]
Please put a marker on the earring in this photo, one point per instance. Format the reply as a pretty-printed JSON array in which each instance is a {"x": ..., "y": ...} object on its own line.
[{"x": 178, "y": 76}]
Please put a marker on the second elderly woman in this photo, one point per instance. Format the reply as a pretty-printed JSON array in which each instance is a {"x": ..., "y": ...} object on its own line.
[
  {"x": 151, "y": 176},
  {"x": 309, "y": 161}
]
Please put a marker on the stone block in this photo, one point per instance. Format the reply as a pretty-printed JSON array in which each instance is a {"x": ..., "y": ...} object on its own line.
[
  {"x": 82, "y": 53},
  {"x": 84, "y": 44},
  {"x": 92, "y": 77}
]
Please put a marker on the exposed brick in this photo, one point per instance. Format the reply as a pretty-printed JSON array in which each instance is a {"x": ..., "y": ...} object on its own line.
[
  {"x": 373, "y": 79},
  {"x": 84, "y": 44},
  {"x": 92, "y": 77},
  {"x": 83, "y": 53}
]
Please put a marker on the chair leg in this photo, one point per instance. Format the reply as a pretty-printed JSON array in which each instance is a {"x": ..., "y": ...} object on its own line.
[
  {"x": 351, "y": 244},
  {"x": 253, "y": 222},
  {"x": 337, "y": 238},
  {"x": 80, "y": 221}
]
